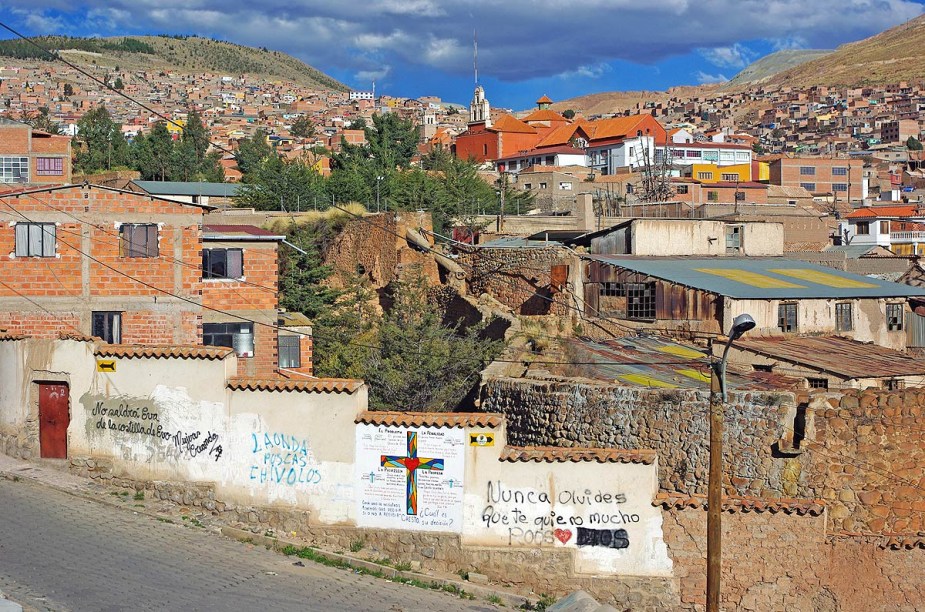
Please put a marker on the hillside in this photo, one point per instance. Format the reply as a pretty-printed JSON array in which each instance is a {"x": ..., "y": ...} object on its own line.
[
  {"x": 894, "y": 55},
  {"x": 180, "y": 53},
  {"x": 769, "y": 65},
  {"x": 618, "y": 101}
]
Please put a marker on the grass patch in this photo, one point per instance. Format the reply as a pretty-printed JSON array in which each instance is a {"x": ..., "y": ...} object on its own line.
[
  {"x": 139, "y": 496},
  {"x": 544, "y": 602},
  {"x": 494, "y": 599},
  {"x": 357, "y": 544},
  {"x": 165, "y": 520},
  {"x": 313, "y": 555}
]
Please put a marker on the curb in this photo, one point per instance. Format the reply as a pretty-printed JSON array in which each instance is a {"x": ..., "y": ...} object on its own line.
[{"x": 279, "y": 544}]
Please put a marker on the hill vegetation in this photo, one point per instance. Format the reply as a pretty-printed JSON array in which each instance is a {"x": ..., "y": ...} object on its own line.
[
  {"x": 769, "y": 65},
  {"x": 180, "y": 53},
  {"x": 889, "y": 57}
]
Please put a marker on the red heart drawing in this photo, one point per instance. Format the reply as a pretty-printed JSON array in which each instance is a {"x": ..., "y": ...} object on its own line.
[
  {"x": 563, "y": 535},
  {"x": 412, "y": 463}
]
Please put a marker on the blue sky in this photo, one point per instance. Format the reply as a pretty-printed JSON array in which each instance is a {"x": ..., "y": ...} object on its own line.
[{"x": 527, "y": 48}]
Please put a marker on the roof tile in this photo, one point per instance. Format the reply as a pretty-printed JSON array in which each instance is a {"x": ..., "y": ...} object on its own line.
[
  {"x": 319, "y": 385},
  {"x": 558, "y": 454},
  {"x": 737, "y": 503},
  {"x": 431, "y": 419},
  {"x": 167, "y": 351}
]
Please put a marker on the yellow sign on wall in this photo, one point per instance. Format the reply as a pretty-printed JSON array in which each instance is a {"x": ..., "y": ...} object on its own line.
[
  {"x": 106, "y": 365},
  {"x": 482, "y": 439}
]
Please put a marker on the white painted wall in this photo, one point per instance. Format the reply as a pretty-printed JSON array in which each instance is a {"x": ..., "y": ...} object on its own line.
[{"x": 659, "y": 238}]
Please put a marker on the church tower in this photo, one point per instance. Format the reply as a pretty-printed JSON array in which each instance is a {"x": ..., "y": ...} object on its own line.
[{"x": 479, "y": 109}]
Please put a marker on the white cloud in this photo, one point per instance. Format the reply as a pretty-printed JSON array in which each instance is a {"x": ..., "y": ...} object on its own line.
[
  {"x": 788, "y": 43},
  {"x": 40, "y": 22},
  {"x": 733, "y": 56},
  {"x": 367, "y": 76},
  {"x": 709, "y": 79},
  {"x": 592, "y": 71}
]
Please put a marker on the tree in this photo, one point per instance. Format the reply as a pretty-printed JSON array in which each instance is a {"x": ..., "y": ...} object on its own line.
[
  {"x": 303, "y": 127},
  {"x": 568, "y": 113},
  {"x": 392, "y": 141},
  {"x": 68, "y": 90},
  {"x": 423, "y": 364},
  {"x": 153, "y": 154},
  {"x": 282, "y": 185},
  {"x": 913, "y": 144},
  {"x": 40, "y": 120},
  {"x": 101, "y": 145},
  {"x": 358, "y": 123},
  {"x": 252, "y": 152},
  {"x": 118, "y": 84}
]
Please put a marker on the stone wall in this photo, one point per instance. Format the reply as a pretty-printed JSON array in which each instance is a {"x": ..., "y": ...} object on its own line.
[
  {"x": 518, "y": 278},
  {"x": 671, "y": 422}
]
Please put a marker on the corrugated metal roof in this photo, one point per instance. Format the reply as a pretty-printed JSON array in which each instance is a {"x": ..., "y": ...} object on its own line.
[
  {"x": 836, "y": 355},
  {"x": 654, "y": 362},
  {"x": 191, "y": 188},
  {"x": 514, "y": 242},
  {"x": 760, "y": 278},
  {"x": 238, "y": 232}
]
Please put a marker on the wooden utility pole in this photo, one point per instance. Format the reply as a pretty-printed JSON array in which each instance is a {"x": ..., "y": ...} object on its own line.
[{"x": 715, "y": 489}]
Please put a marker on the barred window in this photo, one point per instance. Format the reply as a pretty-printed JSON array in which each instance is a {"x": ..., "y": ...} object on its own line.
[
  {"x": 807, "y": 170},
  {"x": 49, "y": 166},
  {"x": 14, "y": 169},
  {"x": 787, "y": 317},
  {"x": 640, "y": 300},
  {"x": 289, "y": 356},
  {"x": 844, "y": 317},
  {"x": 894, "y": 317}
]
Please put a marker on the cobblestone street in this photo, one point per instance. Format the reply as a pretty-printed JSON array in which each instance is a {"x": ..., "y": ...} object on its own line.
[{"x": 61, "y": 552}]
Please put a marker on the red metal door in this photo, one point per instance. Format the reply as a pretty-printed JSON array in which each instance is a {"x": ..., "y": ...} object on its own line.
[{"x": 54, "y": 417}]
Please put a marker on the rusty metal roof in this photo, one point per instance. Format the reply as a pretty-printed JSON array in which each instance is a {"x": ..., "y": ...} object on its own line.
[
  {"x": 430, "y": 419},
  {"x": 167, "y": 351},
  {"x": 320, "y": 385},
  {"x": 560, "y": 454},
  {"x": 836, "y": 355},
  {"x": 656, "y": 362}
]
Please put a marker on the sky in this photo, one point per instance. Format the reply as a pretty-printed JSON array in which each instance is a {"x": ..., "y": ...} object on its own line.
[{"x": 526, "y": 48}]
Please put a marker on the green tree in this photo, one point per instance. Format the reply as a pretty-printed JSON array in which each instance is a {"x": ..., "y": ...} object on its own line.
[
  {"x": 282, "y": 185},
  {"x": 101, "y": 145},
  {"x": 302, "y": 275},
  {"x": 568, "y": 113},
  {"x": 423, "y": 364},
  {"x": 303, "y": 127},
  {"x": 252, "y": 152},
  {"x": 358, "y": 123},
  {"x": 68, "y": 90},
  {"x": 913, "y": 144},
  {"x": 118, "y": 84},
  {"x": 154, "y": 154},
  {"x": 392, "y": 141}
]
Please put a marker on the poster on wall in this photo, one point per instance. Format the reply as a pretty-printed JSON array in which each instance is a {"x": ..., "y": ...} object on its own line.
[{"x": 410, "y": 477}]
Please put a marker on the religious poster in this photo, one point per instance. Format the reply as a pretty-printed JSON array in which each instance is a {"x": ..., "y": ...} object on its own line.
[{"x": 410, "y": 478}]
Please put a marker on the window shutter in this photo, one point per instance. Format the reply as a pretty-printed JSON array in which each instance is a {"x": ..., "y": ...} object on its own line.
[
  {"x": 35, "y": 239},
  {"x": 48, "y": 240},
  {"x": 207, "y": 263},
  {"x": 22, "y": 240},
  {"x": 235, "y": 264}
]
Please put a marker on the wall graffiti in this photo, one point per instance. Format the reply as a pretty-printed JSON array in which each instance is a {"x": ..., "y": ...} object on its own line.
[
  {"x": 531, "y": 516},
  {"x": 410, "y": 478},
  {"x": 146, "y": 421},
  {"x": 282, "y": 459}
]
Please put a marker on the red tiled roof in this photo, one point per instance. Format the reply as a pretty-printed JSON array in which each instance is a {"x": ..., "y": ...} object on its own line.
[
  {"x": 544, "y": 99},
  {"x": 907, "y": 542},
  {"x": 562, "y": 134},
  {"x": 5, "y": 336},
  {"x": 543, "y": 115},
  {"x": 430, "y": 419},
  {"x": 560, "y": 454},
  {"x": 883, "y": 211},
  {"x": 320, "y": 385},
  {"x": 510, "y": 123},
  {"x": 78, "y": 337},
  {"x": 130, "y": 351},
  {"x": 736, "y": 503},
  {"x": 616, "y": 127}
]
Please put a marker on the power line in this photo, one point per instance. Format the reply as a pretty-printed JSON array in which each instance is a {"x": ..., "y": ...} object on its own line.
[{"x": 57, "y": 56}]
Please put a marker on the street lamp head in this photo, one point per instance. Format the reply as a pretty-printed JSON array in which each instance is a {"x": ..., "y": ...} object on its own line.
[{"x": 740, "y": 325}]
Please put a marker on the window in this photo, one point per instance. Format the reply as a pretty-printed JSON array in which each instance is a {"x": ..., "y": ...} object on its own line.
[
  {"x": 108, "y": 326},
  {"x": 810, "y": 187},
  {"x": 885, "y": 226},
  {"x": 711, "y": 156},
  {"x": 705, "y": 176},
  {"x": 528, "y": 186},
  {"x": 138, "y": 240},
  {"x": 807, "y": 171},
  {"x": 730, "y": 177},
  {"x": 222, "y": 263},
  {"x": 611, "y": 289},
  {"x": 844, "y": 317},
  {"x": 49, "y": 166},
  {"x": 758, "y": 367},
  {"x": 632, "y": 152},
  {"x": 895, "y": 384},
  {"x": 818, "y": 383},
  {"x": 894, "y": 317},
  {"x": 695, "y": 154},
  {"x": 289, "y": 356},
  {"x": 839, "y": 187},
  {"x": 640, "y": 300},
  {"x": 862, "y": 228},
  {"x": 839, "y": 171},
  {"x": 733, "y": 238},
  {"x": 565, "y": 186},
  {"x": 713, "y": 196},
  {"x": 681, "y": 189},
  {"x": 35, "y": 240},
  {"x": 14, "y": 169},
  {"x": 239, "y": 336},
  {"x": 542, "y": 185},
  {"x": 742, "y": 156},
  {"x": 787, "y": 317}
]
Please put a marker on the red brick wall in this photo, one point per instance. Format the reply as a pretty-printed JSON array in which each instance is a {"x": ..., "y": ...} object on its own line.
[
  {"x": 786, "y": 172},
  {"x": 15, "y": 140},
  {"x": 261, "y": 273}
]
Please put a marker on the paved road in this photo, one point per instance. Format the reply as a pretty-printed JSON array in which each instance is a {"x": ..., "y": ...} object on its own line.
[{"x": 60, "y": 552}]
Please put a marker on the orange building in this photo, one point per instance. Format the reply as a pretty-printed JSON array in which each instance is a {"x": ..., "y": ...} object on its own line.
[{"x": 32, "y": 157}]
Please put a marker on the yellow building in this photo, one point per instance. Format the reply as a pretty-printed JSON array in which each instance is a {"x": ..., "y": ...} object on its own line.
[{"x": 711, "y": 173}]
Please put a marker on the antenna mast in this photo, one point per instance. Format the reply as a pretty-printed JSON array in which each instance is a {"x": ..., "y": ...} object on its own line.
[{"x": 475, "y": 54}]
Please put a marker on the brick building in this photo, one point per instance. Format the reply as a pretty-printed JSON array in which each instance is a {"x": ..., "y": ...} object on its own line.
[
  {"x": 821, "y": 176},
  {"x": 135, "y": 269},
  {"x": 29, "y": 156}
]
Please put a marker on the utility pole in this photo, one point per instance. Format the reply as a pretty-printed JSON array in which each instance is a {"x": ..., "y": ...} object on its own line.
[{"x": 715, "y": 491}]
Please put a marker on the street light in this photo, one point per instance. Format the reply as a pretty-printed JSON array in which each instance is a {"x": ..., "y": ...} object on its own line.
[
  {"x": 378, "y": 179},
  {"x": 740, "y": 325}
]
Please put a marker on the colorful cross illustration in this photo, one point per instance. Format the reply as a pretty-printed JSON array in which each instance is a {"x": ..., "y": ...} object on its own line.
[{"x": 412, "y": 463}]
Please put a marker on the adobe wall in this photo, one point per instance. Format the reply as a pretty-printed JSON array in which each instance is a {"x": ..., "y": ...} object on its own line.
[{"x": 518, "y": 278}]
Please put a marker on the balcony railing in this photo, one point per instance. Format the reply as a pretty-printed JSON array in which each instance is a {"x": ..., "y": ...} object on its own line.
[{"x": 917, "y": 236}]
